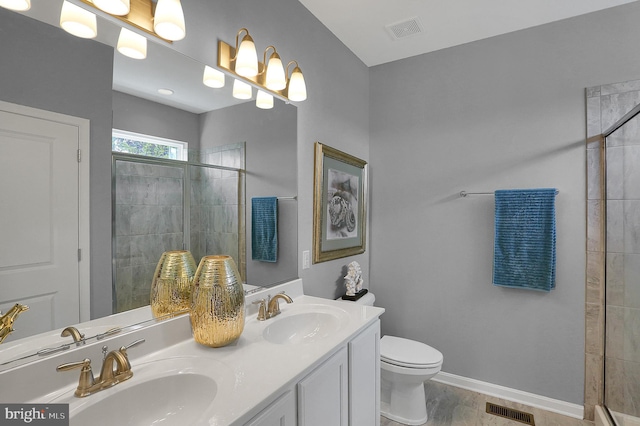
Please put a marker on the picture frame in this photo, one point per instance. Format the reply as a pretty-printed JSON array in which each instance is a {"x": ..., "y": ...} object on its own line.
[{"x": 339, "y": 204}]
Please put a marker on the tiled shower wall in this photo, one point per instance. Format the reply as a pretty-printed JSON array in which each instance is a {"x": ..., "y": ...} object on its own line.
[
  {"x": 149, "y": 212},
  {"x": 149, "y": 217},
  {"x": 605, "y": 106}
]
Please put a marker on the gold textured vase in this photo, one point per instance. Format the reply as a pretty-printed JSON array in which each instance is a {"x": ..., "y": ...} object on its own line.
[
  {"x": 172, "y": 283},
  {"x": 217, "y": 304}
]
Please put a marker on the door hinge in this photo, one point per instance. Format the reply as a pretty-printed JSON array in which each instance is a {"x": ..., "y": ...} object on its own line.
[
  {"x": 79, "y": 255},
  {"x": 79, "y": 155}
]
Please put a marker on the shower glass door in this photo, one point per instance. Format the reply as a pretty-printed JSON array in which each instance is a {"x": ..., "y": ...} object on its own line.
[{"x": 622, "y": 346}]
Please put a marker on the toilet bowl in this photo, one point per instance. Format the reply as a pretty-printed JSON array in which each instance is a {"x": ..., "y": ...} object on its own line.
[{"x": 404, "y": 367}]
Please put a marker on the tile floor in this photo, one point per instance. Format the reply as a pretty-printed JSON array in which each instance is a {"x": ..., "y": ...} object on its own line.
[{"x": 452, "y": 406}]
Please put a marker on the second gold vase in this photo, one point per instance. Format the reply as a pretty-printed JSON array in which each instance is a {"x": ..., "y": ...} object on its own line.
[
  {"x": 217, "y": 304},
  {"x": 172, "y": 283}
]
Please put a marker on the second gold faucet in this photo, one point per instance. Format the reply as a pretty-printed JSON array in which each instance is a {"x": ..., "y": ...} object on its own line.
[{"x": 270, "y": 308}]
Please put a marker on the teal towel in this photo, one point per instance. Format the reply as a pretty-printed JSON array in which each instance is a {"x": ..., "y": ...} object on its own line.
[
  {"x": 525, "y": 239},
  {"x": 264, "y": 229}
]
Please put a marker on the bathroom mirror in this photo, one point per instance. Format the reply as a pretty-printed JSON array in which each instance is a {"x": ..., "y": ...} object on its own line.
[{"x": 270, "y": 157}]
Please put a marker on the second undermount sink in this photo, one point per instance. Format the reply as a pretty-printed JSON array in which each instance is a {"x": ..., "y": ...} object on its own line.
[
  {"x": 306, "y": 324},
  {"x": 173, "y": 391}
]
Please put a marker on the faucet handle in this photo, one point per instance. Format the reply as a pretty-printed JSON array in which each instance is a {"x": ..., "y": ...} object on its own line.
[
  {"x": 86, "y": 380},
  {"x": 262, "y": 310},
  {"x": 123, "y": 349}
]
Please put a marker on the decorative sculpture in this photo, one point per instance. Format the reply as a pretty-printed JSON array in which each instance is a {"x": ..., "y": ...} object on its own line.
[{"x": 353, "y": 280}]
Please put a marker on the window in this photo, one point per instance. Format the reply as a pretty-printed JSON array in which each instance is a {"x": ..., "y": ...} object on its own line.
[{"x": 150, "y": 146}]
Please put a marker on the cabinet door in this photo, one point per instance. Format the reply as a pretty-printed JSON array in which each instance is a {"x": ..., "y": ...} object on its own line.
[
  {"x": 322, "y": 395},
  {"x": 364, "y": 377},
  {"x": 282, "y": 412}
]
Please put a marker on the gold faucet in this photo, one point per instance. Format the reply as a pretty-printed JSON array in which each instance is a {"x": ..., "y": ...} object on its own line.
[
  {"x": 109, "y": 376},
  {"x": 74, "y": 333},
  {"x": 273, "y": 308},
  {"x": 6, "y": 320}
]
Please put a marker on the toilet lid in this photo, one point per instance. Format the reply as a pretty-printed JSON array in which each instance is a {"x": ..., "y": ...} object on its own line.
[{"x": 408, "y": 353}]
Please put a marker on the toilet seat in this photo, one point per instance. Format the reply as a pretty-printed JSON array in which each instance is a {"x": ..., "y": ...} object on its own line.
[{"x": 408, "y": 353}]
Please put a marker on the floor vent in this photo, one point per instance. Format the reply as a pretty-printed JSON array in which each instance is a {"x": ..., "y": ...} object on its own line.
[{"x": 510, "y": 413}]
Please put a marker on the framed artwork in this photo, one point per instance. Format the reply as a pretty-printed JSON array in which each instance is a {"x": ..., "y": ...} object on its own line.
[{"x": 339, "y": 204}]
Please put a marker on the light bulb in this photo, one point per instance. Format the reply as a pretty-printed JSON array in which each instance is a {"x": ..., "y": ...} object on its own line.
[
  {"x": 275, "y": 79},
  {"x": 114, "y": 7},
  {"x": 168, "y": 21},
  {"x": 264, "y": 100},
  {"x": 132, "y": 44},
  {"x": 212, "y": 77},
  {"x": 247, "y": 58},
  {"x": 18, "y": 5},
  {"x": 241, "y": 90},
  {"x": 77, "y": 21},
  {"x": 297, "y": 90}
]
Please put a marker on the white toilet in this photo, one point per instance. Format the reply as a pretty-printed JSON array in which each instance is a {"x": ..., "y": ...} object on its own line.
[{"x": 404, "y": 367}]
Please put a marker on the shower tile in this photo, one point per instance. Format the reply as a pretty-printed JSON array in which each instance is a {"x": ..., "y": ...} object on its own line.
[
  {"x": 594, "y": 233},
  {"x": 593, "y": 91},
  {"x": 594, "y": 191},
  {"x": 615, "y": 279},
  {"x": 632, "y": 388},
  {"x": 595, "y": 277},
  {"x": 615, "y": 178},
  {"x": 136, "y": 190},
  {"x": 593, "y": 116},
  {"x": 614, "y": 395},
  {"x": 632, "y": 280},
  {"x": 593, "y": 382},
  {"x": 615, "y": 226},
  {"x": 593, "y": 328},
  {"x": 170, "y": 192},
  {"x": 626, "y": 86},
  {"x": 122, "y": 251},
  {"x": 615, "y": 106},
  {"x": 123, "y": 219},
  {"x": 631, "y": 335},
  {"x": 631, "y": 172},
  {"x": 615, "y": 332},
  {"x": 631, "y": 226}
]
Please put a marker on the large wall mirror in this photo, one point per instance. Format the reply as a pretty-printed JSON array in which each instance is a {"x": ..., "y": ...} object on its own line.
[{"x": 209, "y": 120}]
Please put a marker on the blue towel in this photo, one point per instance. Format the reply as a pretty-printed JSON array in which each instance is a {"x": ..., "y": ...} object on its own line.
[
  {"x": 264, "y": 229},
  {"x": 525, "y": 239}
]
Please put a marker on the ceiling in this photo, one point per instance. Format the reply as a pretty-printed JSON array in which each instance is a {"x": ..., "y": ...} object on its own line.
[{"x": 362, "y": 24}]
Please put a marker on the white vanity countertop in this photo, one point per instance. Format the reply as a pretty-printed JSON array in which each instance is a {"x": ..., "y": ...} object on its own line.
[
  {"x": 250, "y": 374},
  {"x": 258, "y": 371}
]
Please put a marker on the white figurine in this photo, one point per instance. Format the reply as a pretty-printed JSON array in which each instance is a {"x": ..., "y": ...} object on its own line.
[{"x": 353, "y": 280}]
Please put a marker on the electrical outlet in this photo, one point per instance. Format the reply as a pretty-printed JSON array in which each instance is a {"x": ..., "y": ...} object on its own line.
[{"x": 306, "y": 260}]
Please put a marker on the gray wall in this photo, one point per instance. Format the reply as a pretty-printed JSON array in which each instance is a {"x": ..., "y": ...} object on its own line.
[
  {"x": 70, "y": 76},
  {"x": 151, "y": 118},
  {"x": 271, "y": 141},
  {"x": 336, "y": 112},
  {"x": 506, "y": 112}
]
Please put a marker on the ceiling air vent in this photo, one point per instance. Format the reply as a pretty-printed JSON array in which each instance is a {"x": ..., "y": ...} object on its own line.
[
  {"x": 510, "y": 413},
  {"x": 404, "y": 29}
]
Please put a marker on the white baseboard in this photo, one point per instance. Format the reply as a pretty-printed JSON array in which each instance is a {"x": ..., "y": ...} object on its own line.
[{"x": 514, "y": 395}]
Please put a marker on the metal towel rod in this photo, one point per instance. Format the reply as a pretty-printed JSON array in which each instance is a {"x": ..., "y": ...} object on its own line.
[
  {"x": 465, "y": 193},
  {"x": 295, "y": 197}
]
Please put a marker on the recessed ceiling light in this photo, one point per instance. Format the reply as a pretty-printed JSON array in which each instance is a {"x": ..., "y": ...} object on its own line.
[{"x": 166, "y": 92}]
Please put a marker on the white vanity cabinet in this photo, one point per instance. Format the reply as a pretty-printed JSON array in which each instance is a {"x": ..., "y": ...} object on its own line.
[{"x": 344, "y": 390}]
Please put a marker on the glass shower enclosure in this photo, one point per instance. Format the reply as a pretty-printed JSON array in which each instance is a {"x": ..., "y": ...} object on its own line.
[
  {"x": 161, "y": 205},
  {"x": 622, "y": 299}
]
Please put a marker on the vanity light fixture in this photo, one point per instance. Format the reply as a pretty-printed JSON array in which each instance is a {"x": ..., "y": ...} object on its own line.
[
  {"x": 264, "y": 100},
  {"x": 19, "y": 5},
  {"x": 78, "y": 21},
  {"x": 212, "y": 77},
  {"x": 241, "y": 90},
  {"x": 269, "y": 76},
  {"x": 113, "y": 7},
  {"x": 296, "y": 87},
  {"x": 160, "y": 18},
  {"x": 132, "y": 44}
]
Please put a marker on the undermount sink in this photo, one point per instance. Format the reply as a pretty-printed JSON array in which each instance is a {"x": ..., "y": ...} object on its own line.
[
  {"x": 307, "y": 324},
  {"x": 173, "y": 391}
]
